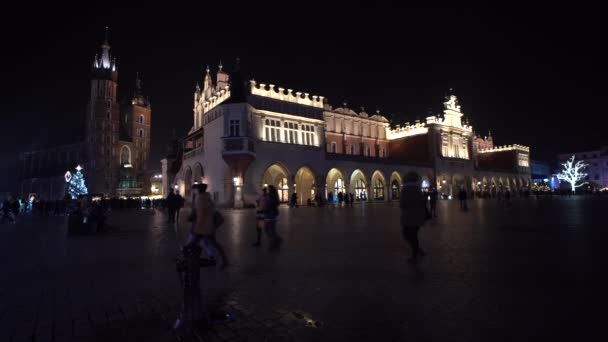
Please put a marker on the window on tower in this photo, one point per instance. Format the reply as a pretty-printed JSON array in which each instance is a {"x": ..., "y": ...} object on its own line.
[
  {"x": 141, "y": 119},
  {"x": 235, "y": 128},
  {"x": 141, "y": 133}
]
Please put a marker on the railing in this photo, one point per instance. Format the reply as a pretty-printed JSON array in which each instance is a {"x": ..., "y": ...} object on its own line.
[
  {"x": 233, "y": 145},
  {"x": 192, "y": 153}
]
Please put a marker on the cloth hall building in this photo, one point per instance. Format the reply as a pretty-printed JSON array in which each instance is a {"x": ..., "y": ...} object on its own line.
[{"x": 247, "y": 135}]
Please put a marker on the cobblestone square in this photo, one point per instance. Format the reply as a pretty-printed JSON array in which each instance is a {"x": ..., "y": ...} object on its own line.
[{"x": 531, "y": 271}]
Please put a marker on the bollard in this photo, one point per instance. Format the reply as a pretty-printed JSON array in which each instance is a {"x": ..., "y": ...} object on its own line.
[{"x": 188, "y": 268}]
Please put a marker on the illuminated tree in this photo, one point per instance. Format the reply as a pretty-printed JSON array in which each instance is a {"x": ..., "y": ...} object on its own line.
[
  {"x": 76, "y": 185},
  {"x": 573, "y": 173}
]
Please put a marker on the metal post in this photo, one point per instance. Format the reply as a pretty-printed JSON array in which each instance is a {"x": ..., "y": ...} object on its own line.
[{"x": 188, "y": 268}]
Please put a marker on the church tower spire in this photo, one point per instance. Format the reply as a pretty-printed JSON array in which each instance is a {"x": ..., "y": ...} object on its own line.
[{"x": 104, "y": 65}]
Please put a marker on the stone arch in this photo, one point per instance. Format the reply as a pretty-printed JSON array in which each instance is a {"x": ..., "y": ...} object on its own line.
[
  {"x": 305, "y": 184},
  {"x": 278, "y": 176},
  {"x": 500, "y": 185},
  {"x": 379, "y": 186},
  {"x": 198, "y": 173},
  {"x": 444, "y": 184},
  {"x": 125, "y": 155},
  {"x": 524, "y": 183},
  {"x": 359, "y": 185},
  {"x": 458, "y": 182},
  {"x": 493, "y": 186},
  {"x": 396, "y": 184},
  {"x": 514, "y": 184},
  {"x": 335, "y": 182},
  {"x": 507, "y": 184}
]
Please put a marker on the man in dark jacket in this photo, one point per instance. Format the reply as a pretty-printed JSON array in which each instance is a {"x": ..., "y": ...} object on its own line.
[
  {"x": 413, "y": 213},
  {"x": 171, "y": 206}
]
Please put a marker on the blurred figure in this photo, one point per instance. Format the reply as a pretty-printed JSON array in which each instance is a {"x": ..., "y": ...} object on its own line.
[
  {"x": 413, "y": 213},
  {"x": 433, "y": 201},
  {"x": 271, "y": 213},
  {"x": 261, "y": 204},
  {"x": 462, "y": 197},
  {"x": 203, "y": 228}
]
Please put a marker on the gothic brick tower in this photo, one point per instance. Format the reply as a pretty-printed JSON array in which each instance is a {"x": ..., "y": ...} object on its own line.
[
  {"x": 102, "y": 123},
  {"x": 138, "y": 114}
]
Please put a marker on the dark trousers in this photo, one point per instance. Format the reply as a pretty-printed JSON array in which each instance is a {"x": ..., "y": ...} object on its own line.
[
  {"x": 171, "y": 214},
  {"x": 410, "y": 234},
  {"x": 434, "y": 209}
]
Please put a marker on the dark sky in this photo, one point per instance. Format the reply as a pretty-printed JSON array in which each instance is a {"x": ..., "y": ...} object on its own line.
[{"x": 534, "y": 75}]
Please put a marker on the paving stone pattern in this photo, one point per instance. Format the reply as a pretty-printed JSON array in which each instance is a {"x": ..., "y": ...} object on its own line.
[{"x": 531, "y": 271}]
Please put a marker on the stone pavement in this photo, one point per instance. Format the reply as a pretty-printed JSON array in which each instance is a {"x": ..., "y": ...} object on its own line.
[{"x": 532, "y": 271}]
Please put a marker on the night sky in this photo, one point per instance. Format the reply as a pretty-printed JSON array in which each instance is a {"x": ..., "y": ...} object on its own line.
[{"x": 534, "y": 75}]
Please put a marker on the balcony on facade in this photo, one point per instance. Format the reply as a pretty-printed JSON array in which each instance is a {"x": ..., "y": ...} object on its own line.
[{"x": 238, "y": 146}]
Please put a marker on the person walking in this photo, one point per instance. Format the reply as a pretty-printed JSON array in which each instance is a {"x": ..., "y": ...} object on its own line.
[
  {"x": 433, "y": 201},
  {"x": 413, "y": 214},
  {"x": 203, "y": 228},
  {"x": 171, "y": 200},
  {"x": 462, "y": 197},
  {"x": 294, "y": 200},
  {"x": 271, "y": 213},
  {"x": 261, "y": 202},
  {"x": 6, "y": 210},
  {"x": 179, "y": 204}
]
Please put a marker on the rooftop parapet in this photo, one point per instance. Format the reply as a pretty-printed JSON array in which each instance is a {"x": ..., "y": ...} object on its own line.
[
  {"x": 219, "y": 97},
  {"x": 408, "y": 130},
  {"x": 514, "y": 147},
  {"x": 278, "y": 93}
]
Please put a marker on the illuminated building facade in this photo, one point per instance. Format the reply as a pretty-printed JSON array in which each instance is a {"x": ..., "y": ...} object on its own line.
[
  {"x": 116, "y": 147},
  {"x": 247, "y": 135}
]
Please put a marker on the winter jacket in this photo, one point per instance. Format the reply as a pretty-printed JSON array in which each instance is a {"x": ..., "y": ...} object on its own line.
[
  {"x": 413, "y": 206},
  {"x": 203, "y": 205}
]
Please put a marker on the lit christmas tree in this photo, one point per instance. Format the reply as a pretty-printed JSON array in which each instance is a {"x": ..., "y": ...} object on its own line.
[
  {"x": 572, "y": 173},
  {"x": 76, "y": 185}
]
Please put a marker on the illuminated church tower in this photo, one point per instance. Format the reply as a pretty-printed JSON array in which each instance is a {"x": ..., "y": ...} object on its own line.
[
  {"x": 118, "y": 133},
  {"x": 102, "y": 121}
]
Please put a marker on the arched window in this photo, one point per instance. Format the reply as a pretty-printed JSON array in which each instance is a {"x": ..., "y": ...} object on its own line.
[
  {"x": 360, "y": 189},
  {"x": 338, "y": 186},
  {"x": 283, "y": 189},
  {"x": 395, "y": 189},
  {"x": 141, "y": 119},
  {"x": 352, "y": 149},
  {"x": 378, "y": 189},
  {"x": 125, "y": 155},
  {"x": 141, "y": 133},
  {"x": 368, "y": 151},
  {"x": 334, "y": 147}
]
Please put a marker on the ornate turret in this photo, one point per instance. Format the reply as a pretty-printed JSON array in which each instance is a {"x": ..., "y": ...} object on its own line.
[
  {"x": 104, "y": 65},
  {"x": 222, "y": 78},
  {"x": 138, "y": 95},
  {"x": 238, "y": 84}
]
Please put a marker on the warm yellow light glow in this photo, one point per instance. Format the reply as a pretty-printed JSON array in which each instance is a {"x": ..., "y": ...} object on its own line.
[
  {"x": 279, "y": 94},
  {"x": 514, "y": 147}
]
